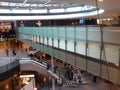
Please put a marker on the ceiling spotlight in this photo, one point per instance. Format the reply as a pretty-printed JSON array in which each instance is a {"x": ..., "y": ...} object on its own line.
[{"x": 100, "y": 0}]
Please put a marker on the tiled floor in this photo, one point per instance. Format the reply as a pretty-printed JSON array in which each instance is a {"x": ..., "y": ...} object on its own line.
[{"x": 100, "y": 85}]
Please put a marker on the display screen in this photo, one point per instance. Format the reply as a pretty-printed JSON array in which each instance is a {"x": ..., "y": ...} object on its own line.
[{"x": 81, "y": 21}]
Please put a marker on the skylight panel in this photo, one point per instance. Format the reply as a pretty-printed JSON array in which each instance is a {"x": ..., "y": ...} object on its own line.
[{"x": 56, "y": 10}]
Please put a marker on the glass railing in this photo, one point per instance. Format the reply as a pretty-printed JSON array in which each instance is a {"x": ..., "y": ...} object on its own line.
[
  {"x": 74, "y": 39},
  {"x": 9, "y": 66},
  {"x": 74, "y": 33}
]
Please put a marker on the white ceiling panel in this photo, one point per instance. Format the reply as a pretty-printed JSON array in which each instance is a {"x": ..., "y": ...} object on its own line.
[{"x": 111, "y": 7}]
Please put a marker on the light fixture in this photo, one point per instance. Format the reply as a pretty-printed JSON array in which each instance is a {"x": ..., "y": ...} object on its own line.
[
  {"x": 7, "y": 87},
  {"x": 49, "y": 16},
  {"x": 100, "y": 0},
  {"x": 26, "y": 76},
  {"x": 44, "y": 79}
]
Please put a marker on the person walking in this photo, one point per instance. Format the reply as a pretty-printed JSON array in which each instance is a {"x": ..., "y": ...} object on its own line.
[
  {"x": 14, "y": 53},
  {"x": 7, "y": 52}
]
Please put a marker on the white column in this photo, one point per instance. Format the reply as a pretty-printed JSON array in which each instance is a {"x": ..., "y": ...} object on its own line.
[{"x": 53, "y": 80}]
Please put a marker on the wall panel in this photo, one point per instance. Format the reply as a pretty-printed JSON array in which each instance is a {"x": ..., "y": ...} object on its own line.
[
  {"x": 37, "y": 38},
  {"x": 70, "y": 45},
  {"x": 93, "y": 67},
  {"x": 80, "y": 62},
  {"x": 111, "y": 75},
  {"x": 50, "y": 41},
  {"x": 80, "y": 47},
  {"x": 62, "y": 44},
  {"x": 94, "y": 50},
  {"x": 80, "y": 33},
  {"x": 62, "y": 56},
  {"x": 62, "y": 32},
  {"x": 41, "y": 39},
  {"x": 71, "y": 59},
  {"x": 112, "y": 54},
  {"x": 55, "y": 43},
  {"x": 45, "y": 40},
  {"x": 70, "y": 33}
]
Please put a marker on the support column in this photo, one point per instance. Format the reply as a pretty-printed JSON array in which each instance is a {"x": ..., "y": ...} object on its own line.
[
  {"x": 66, "y": 50},
  {"x": 75, "y": 44},
  {"x": 52, "y": 65},
  {"x": 75, "y": 53},
  {"x": 86, "y": 50},
  {"x": 53, "y": 79}
]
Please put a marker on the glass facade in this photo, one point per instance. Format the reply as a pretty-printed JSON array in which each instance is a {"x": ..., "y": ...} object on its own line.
[
  {"x": 79, "y": 42},
  {"x": 74, "y": 39}
]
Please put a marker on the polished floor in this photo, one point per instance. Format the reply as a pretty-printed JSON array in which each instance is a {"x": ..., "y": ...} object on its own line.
[
  {"x": 89, "y": 85},
  {"x": 4, "y": 58}
]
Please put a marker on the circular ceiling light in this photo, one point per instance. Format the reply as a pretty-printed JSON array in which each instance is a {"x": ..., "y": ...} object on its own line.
[{"x": 47, "y": 11}]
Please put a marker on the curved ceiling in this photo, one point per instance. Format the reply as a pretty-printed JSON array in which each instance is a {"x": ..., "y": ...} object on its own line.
[{"x": 111, "y": 7}]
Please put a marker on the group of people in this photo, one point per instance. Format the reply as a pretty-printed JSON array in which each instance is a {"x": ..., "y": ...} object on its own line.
[
  {"x": 72, "y": 74},
  {"x": 69, "y": 72}
]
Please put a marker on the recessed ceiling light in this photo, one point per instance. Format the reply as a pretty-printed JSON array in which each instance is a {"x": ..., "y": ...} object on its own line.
[{"x": 100, "y": 0}]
